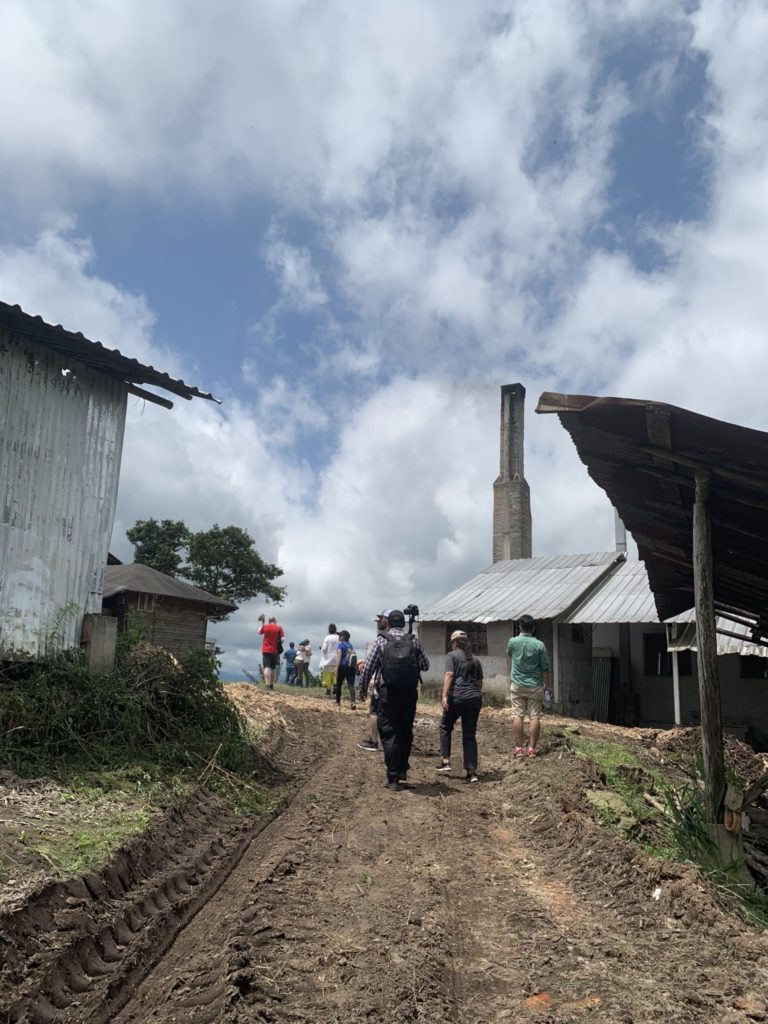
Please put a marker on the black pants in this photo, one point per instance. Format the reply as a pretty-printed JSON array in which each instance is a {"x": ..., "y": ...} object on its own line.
[
  {"x": 397, "y": 710},
  {"x": 345, "y": 673},
  {"x": 469, "y": 712}
]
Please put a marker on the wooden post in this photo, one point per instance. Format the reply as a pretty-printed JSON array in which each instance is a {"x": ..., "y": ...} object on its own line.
[
  {"x": 709, "y": 687},
  {"x": 556, "y": 661},
  {"x": 676, "y": 687}
]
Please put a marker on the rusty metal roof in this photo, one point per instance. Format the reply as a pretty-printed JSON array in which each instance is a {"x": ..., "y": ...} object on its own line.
[
  {"x": 93, "y": 353},
  {"x": 542, "y": 587},
  {"x": 645, "y": 456},
  {"x": 142, "y": 579}
]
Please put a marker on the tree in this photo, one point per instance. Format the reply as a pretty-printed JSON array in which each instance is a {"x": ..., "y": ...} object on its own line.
[
  {"x": 159, "y": 544},
  {"x": 223, "y": 561}
]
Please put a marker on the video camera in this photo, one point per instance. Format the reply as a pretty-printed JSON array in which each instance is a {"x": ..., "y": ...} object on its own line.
[{"x": 412, "y": 611}]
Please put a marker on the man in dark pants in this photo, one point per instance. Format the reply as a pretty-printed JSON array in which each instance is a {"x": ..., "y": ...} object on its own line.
[{"x": 400, "y": 666}]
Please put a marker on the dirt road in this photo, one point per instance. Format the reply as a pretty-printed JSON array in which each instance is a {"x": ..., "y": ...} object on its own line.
[{"x": 502, "y": 901}]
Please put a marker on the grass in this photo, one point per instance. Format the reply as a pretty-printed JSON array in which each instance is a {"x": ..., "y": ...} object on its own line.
[
  {"x": 117, "y": 745},
  {"x": 624, "y": 772},
  {"x": 680, "y": 833}
]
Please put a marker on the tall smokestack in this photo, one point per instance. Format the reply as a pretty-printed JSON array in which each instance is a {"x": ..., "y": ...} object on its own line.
[{"x": 512, "y": 525}]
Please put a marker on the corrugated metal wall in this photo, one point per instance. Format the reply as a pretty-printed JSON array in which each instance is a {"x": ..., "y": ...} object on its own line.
[{"x": 61, "y": 438}]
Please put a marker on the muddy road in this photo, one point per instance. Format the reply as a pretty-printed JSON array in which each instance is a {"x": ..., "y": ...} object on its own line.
[{"x": 502, "y": 901}]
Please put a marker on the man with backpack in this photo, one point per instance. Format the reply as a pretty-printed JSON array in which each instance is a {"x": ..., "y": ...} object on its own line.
[{"x": 400, "y": 659}]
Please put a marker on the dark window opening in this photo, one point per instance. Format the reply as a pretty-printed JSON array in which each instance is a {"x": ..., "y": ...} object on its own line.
[
  {"x": 577, "y": 634},
  {"x": 657, "y": 660},
  {"x": 477, "y": 634},
  {"x": 753, "y": 667}
]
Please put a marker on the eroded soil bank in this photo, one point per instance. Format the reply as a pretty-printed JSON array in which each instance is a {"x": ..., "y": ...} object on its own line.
[{"x": 502, "y": 901}]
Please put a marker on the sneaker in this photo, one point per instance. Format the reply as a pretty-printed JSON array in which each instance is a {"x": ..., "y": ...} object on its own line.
[
  {"x": 442, "y": 767},
  {"x": 533, "y": 752},
  {"x": 471, "y": 777},
  {"x": 519, "y": 752},
  {"x": 354, "y": 707},
  {"x": 392, "y": 785},
  {"x": 368, "y": 745}
]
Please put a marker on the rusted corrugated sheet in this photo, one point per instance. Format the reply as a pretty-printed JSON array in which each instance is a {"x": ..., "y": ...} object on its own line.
[
  {"x": 541, "y": 587},
  {"x": 645, "y": 456},
  {"x": 107, "y": 360},
  {"x": 61, "y": 437}
]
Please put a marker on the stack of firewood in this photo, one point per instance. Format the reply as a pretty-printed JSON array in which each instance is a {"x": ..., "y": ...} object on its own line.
[{"x": 747, "y": 811}]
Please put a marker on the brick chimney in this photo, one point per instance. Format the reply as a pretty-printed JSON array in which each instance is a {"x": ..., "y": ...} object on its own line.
[{"x": 512, "y": 526}]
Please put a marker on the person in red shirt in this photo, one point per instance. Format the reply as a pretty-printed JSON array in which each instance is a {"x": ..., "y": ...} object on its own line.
[{"x": 271, "y": 648}]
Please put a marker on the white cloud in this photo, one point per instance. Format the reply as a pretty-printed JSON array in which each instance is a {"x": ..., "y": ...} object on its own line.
[{"x": 453, "y": 223}]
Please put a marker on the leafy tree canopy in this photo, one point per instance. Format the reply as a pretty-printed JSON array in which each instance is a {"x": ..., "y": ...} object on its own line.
[
  {"x": 159, "y": 544},
  {"x": 221, "y": 560}
]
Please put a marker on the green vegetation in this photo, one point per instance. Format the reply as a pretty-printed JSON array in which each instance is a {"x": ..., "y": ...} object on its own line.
[
  {"x": 152, "y": 722},
  {"x": 623, "y": 773},
  {"x": 675, "y": 826},
  {"x": 221, "y": 560}
]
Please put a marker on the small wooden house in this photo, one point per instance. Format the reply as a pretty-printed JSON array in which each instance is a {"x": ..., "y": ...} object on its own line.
[{"x": 170, "y": 612}]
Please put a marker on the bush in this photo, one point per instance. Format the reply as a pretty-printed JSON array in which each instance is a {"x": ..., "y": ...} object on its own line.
[{"x": 151, "y": 707}]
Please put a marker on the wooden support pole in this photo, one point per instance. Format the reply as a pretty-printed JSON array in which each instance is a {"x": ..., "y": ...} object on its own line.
[{"x": 709, "y": 686}]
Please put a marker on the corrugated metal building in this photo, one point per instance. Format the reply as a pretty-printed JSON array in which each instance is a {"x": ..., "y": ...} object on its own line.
[
  {"x": 548, "y": 588},
  {"x": 62, "y": 417},
  {"x": 580, "y": 603}
]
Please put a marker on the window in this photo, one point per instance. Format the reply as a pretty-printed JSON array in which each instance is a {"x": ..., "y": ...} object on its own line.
[
  {"x": 753, "y": 667},
  {"x": 657, "y": 660},
  {"x": 477, "y": 635},
  {"x": 577, "y": 634},
  {"x": 145, "y": 602}
]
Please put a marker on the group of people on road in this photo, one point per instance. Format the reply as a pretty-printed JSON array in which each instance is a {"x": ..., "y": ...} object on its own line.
[
  {"x": 273, "y": 650},
  {"x": 391, "y": 674},
  {"x": 393, "y": 671}
]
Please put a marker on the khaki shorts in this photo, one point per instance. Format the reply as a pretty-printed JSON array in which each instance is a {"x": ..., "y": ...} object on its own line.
[{"x": 526, "y": 700}]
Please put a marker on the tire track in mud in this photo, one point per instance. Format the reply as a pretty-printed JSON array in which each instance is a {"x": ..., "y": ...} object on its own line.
[
  {"x": 563, "y": 924},
  {"x": 323, "y": 919},
  {"x": 503, "y": 901}
]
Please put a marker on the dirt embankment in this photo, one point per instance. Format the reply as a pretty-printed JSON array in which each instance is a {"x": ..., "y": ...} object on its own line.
[{"x": 502, "y": 901}]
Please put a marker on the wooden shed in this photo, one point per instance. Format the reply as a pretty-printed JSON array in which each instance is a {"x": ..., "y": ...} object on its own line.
[{"x": 172, "y": 613}]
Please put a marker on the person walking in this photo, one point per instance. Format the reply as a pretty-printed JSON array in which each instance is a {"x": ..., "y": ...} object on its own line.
[
  {"x": 462, "y": 699},
  {"x": 401, "y": 659},
  {"x": 328, "y": 660},
  {"x": 303, "y": 658},
  {"x": 371, "y": 742},
  {"x": 289, "y": 656},
  {"x": 271, "y": 648},
  {"x": 345, "y": 669},
  {"x": 529, "y": 675}
]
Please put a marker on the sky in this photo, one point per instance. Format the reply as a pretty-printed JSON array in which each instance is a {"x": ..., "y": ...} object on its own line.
[{"x": 353, "y": 222}]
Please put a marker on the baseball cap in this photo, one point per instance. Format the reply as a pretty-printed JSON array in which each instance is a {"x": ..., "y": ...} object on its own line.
[
  {"x": 458, "y": 634},
  {"x": 382, "y": 615}
]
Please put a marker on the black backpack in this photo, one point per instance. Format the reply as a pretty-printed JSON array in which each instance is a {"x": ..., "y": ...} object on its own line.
[{"x": 400, "y": 662}]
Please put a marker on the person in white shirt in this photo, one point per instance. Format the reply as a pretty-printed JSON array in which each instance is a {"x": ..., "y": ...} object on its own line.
[{"x": 328, "y": 660}]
